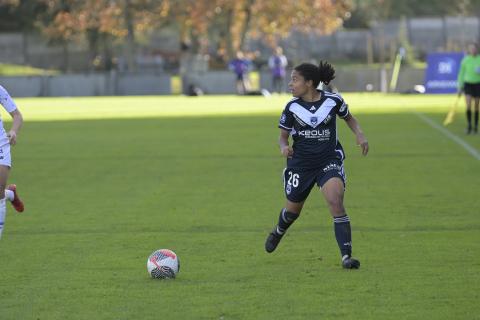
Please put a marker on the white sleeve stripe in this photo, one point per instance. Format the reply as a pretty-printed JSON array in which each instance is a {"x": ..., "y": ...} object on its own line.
[
  {"x": 343, "y": 117},
  {"x": 283, "y": 127}
]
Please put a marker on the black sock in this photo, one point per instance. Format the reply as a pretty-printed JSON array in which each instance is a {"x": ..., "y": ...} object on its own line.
[
  {"x": 285, "y": 220},
  {"x": 343, "y": 234},
  {"x": 469, "y": 118},
  {"x": 476, "y": 119}
]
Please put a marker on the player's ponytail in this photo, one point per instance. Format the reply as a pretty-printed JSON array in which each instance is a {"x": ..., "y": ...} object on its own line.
[
  {"x": 326, "y": 71},
  {"x": 323, "y": 73}
]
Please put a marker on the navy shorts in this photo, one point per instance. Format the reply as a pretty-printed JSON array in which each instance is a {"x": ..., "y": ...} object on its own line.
[
  {"x": 472, "y": 89},
  {"x": 298, "y": 182}
]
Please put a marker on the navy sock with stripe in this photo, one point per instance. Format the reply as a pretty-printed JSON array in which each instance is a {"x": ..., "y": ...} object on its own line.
[
  {"x": 343, "y": 234},
  {"x": 285, "y": 220}
]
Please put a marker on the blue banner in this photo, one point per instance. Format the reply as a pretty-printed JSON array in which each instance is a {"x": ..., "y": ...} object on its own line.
[{"x": 442, "y": 71}]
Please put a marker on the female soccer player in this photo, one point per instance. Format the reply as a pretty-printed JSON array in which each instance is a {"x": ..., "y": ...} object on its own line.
[
  {"x": 469, "y": 82},
  {"x": 316, "y": 155},
  {"x": 7, "y": 139}
]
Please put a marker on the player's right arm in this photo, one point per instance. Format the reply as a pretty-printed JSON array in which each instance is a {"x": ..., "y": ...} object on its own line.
[
  {"x": 16, "y": 125},
  {"x": 286, "y": 125},
  {"x": 285, "y": 149}
]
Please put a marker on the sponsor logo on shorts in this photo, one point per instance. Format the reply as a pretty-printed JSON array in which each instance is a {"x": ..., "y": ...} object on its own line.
[{"x": 333, "y": 166}]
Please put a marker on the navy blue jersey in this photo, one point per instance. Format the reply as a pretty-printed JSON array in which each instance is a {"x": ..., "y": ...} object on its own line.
[{"x": 313, "y": 128}]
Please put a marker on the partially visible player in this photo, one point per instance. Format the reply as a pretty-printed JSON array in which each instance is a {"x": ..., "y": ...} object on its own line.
[
  {"x": 316, "y": 156},
  {"x": 6, "y": 139},
  {"x": 469, "y": 82}
]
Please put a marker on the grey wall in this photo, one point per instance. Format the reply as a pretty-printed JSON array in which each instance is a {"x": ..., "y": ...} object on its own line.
[
  {"x": 214, "y": 82},
  {"x": 143, "y": 84},
  {"x": 24, "y": 86},
  {"x": 87, "y": 85}
]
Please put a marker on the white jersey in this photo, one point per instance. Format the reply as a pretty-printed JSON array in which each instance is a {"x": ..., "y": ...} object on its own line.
[{"x": 7, "y": 102}]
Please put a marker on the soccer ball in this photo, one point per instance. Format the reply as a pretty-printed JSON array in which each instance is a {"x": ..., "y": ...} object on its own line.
[{"x": 163, "y": 264}]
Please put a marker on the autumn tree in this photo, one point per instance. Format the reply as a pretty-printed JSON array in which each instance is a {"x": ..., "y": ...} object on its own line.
[
  {"x": 101, "y": 23},
  {"x": 59, "y": 25},
  {"x": 20, "y": 15},
  {"x": 225, "y": 24},
  {"x": 229, "y": 22}
]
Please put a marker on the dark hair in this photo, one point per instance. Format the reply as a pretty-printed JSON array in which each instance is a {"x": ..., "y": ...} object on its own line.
[{"x": 323, "y": 73}]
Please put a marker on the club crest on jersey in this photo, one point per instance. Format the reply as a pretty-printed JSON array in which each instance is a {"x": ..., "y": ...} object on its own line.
[
  {"x": 314, "y": 120},
  {"x": 283, "y": 119}
]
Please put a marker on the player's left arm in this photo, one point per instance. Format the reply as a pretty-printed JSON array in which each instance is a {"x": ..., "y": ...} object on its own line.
[
  {"x": 16, "y": 125},
  {"x": 355, "y": 127}
]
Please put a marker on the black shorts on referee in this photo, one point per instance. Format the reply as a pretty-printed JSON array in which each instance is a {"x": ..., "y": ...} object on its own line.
[
  {"x": 298, "y": 182},
  {"x": 472, "y": 89}
]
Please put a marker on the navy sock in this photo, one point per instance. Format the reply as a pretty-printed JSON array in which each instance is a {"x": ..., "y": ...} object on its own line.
[
  {"x": 469, "y": 118},
  {"x": 343, "y": 234},
  {"x": 285, "y": 220},
  {"x": 476, "y": 119}
]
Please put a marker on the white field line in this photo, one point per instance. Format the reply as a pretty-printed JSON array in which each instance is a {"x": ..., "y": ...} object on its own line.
[{"x": 474, "y": 152}]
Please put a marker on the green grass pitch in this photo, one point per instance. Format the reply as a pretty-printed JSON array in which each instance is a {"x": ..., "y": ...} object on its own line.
[{"x": 107, "y": 181}]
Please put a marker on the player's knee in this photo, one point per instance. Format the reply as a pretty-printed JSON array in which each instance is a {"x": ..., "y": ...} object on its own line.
[{"x": 336, "y": 205}]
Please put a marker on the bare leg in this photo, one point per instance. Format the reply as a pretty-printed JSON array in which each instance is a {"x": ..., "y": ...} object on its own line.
[
  {"x": 4, "y": 171},
  {"x": 295, "y": 207},
  {"x": 333, "y": 191}
]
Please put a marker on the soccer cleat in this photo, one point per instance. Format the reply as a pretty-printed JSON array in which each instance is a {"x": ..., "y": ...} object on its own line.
[
  {"x": 273, "y": 240},
  {"x": 350, "y": 263},
  {"x": 16, "y": 202},
  {"x": 468, "y": 130}
]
